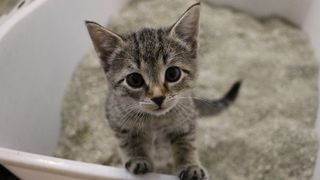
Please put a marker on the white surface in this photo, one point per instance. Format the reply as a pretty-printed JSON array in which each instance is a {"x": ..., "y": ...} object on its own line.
[
  {"x": 40, "y": 46},
  {"x": 32, "y": 166}
]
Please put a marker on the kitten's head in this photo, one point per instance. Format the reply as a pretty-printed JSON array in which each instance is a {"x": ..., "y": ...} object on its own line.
[{"x": 150, "y": 68}]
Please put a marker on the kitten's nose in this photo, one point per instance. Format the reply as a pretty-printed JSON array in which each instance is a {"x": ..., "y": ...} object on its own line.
[{"x": 158, "y": 100}]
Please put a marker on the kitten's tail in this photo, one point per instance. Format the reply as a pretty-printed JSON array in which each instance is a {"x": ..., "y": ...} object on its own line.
[{"x": 214, "y": 107}]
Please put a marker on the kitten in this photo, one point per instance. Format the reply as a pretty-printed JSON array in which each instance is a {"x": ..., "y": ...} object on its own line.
[{"x": 150, "y": 76}]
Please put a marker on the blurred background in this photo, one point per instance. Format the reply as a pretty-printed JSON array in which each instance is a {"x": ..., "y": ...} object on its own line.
[{"x": 7, "y": 5}]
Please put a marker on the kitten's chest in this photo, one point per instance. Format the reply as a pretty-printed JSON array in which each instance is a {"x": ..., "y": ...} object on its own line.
[
  {"x": 157, "y": 137},
  {"x": 160, "y": 150}
]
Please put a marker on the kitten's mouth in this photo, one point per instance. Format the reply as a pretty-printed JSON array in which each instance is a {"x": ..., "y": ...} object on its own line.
[{"x": 159, "y": 110}]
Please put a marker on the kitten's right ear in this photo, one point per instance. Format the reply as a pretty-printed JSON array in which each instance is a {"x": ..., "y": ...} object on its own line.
[
  {"x": 187, "y": 27},
  {"x": 104, "y": 41}
]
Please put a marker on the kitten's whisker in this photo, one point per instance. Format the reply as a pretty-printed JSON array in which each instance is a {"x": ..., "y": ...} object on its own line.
[
  {"x": 193, "y": 97},
  {"x": 197, "y": 98},
  {"x": 140, "y": 122},
  {"x": 125, "y": 118},
  {"x": 132, "y": 120},
  {"x": 137, "y": 121},
  {"x": 181, "y": 111},
  {"x": 184, "y": 108},
  {"x": 145, "y": 103}
]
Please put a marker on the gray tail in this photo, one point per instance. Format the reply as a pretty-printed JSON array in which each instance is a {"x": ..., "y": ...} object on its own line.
[{"x": 214, "y": 107}]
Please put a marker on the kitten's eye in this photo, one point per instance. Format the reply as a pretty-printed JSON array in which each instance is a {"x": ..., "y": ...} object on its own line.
[
  {"x": 173, "y": 74},
  {"x": 135, "y": 80}
]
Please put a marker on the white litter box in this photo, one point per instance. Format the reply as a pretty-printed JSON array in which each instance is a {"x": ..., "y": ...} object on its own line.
[{"x": 40, "y": 46}]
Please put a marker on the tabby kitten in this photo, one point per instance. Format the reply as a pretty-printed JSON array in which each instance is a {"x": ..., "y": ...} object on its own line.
[{"x": 150, "y": 75}]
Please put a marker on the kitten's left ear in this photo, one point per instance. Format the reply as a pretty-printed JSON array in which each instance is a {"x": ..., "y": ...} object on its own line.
[
  {"x": 104, "y": 41},
  {"x": 187, "y": 27}
]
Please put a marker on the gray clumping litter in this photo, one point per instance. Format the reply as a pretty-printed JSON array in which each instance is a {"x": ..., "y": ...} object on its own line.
[
  {"x": 6, "y": 6},
  {"x": 268, "y": 134}
]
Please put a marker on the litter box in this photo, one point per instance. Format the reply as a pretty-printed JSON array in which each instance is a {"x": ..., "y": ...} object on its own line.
[{"x": 40, "y": 47}]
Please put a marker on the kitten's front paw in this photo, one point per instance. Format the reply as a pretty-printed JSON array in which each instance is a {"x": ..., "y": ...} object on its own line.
[
  {"x": 193, "y": 172},
  {"x": 138, "y": 166}
]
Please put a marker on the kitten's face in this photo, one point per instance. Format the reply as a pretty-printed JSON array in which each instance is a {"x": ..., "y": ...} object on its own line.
[
  {"x": 150, "y": 68},
  {"x": 153, "y": 69}
]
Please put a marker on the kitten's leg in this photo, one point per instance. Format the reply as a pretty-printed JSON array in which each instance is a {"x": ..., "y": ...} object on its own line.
[
  {"x": 186, "y": 157},
  {"x": 134, "y": 153}
]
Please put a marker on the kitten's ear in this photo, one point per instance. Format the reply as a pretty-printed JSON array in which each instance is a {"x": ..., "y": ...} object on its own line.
[
  {"x": 104, "y": 41},
  {"x": 187, "y": 27}
]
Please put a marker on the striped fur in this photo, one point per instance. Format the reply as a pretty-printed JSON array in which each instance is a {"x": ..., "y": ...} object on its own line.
[{"x": 139, "y": 129}]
